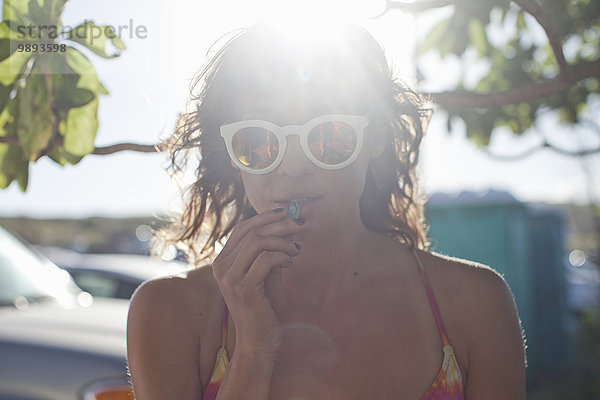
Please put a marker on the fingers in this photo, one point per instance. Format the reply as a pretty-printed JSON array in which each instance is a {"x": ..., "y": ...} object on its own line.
[
  {"x": 252, "y": 231},
  {"x": 255, "y": 246},
  {"x": 245, "y": 226},
  {"x": 263, "y": 265},
  {"x": 236, "y": 264},
  {"x": 250, "y": 288}
]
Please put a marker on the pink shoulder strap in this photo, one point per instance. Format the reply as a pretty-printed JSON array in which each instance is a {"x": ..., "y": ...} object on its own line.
[
  {"x": 224, "y": 320},
  {"x": 432, "y": 302}
]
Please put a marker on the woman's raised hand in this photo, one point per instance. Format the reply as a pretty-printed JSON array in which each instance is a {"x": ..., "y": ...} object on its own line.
[{"x": 248, "y": 272}]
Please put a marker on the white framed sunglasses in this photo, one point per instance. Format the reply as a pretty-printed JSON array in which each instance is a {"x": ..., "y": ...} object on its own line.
[{"x": 330, "y": 141}]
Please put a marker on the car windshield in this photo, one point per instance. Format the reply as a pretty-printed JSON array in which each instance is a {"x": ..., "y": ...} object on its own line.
[{"x": 23, "y": 274}]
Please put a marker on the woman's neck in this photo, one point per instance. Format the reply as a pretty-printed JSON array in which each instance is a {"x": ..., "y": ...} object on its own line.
[{"x": 318, "y": 275}]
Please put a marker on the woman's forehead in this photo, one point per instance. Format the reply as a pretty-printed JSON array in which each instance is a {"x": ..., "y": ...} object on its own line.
[{"x": 299, "y": 97}]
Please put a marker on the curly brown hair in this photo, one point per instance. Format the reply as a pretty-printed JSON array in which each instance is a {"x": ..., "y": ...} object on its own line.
[{"x": 260, "y": 61}]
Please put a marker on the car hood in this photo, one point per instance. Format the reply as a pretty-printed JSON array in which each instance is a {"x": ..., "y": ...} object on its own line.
[{"x": 98, "y": 328}]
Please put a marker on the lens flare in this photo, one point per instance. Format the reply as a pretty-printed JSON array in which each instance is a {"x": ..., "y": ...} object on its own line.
[{"x": 309, "y": 19}]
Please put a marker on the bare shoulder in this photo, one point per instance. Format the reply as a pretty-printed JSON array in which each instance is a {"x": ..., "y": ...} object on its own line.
[
  {"x": 179, "y": 300},
  {"x": 465, "y": 280},
  {"x": 166, "y": 320},
  {"x": 190, "y": 288},
  {"x": 480, "y": 315},
  {"x": 471, "y": 294}
]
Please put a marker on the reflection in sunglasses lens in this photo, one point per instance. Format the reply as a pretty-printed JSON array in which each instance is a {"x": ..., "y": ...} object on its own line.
[
  {"x": 256, "y": 148},
  {"x": 333, "y": 142}
]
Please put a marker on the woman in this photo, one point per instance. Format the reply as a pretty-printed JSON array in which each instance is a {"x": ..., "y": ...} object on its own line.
[{"x": 339, "y": 300}]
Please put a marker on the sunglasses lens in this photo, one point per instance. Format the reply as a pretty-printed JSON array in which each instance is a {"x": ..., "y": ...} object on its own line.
[
  {"x": 333, "y": 142},
  {"x": 256, "y": 148}
]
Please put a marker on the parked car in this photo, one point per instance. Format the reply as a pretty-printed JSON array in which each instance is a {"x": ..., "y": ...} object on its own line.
[
  {"x": 57, "y": 342},
  {"x": 111, "y": 275}
]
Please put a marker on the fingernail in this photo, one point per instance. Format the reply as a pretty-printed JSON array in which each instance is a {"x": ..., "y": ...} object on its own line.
[
  {"x": 300, "y": 221},
  {"x": 298, "y": 247},
  {"x": 290, "y": 259},
  {"x": 278, "y": 210}
]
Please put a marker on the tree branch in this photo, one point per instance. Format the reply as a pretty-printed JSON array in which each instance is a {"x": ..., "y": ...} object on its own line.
[
  {"x": 575, "y": 73},
  {"x": 533, "y": 8},
  {"x": 142, "y": 148},
  {"x": 10, "y": 140}
]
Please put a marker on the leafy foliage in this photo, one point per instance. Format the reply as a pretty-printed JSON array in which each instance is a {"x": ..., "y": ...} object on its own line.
[
  {"x": 519, "y": 57},
  {"x": 49, "y": 89}
]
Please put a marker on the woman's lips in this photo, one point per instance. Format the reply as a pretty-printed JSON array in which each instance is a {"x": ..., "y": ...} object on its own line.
[
  {"x": 289, "y": 197},
  {"x": 305, "y": 200}
]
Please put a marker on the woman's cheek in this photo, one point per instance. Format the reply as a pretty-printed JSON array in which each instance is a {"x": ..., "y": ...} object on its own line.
[{"x": 256, "y": 189}]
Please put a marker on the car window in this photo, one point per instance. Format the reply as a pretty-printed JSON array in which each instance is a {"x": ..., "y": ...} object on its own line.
[
  {"x": 103, "y": 285},
  {"x": 24, "y": 274},
  {"x": 126, "y": 290},
  {"x": 97, "y": 284}
]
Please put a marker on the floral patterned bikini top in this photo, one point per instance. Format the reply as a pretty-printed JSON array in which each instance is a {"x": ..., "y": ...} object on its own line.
[{"x": 447, "y": 385}]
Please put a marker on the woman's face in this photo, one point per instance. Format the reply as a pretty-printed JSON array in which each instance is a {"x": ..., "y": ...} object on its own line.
[{"x": 333, "y": 194}]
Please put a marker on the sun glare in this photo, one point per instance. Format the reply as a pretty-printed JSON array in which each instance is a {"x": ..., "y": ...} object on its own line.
[
  {"x": 309, "y": 19},
  {"x": 336, "y": 9},
  {"x": 322, "y": 15}
]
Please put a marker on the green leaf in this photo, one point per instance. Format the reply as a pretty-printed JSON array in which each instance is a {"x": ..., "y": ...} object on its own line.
[
  {"x": 72, "y": 159},
  {"x": 521, "y": 25},
  {"x": 62, "y": 121},
  {"x": 435, "y": 36},
  {"x": 66, "y": 93},
  {"x": 8, "y": 127},
  {"x": 36, "y": 13},
  {"x": 23, "y": 176},
  {"x": 14, "y": 9},
  {"x": 505, "y": 10},
  {"x": 59, "y": 155},
  {"x": 11, "y": 37},
  {"x": 36, "y": 121},
  {"x": 95, "y": 37},
  {"x": 82, "y": 125},
  {"x": 102, "y": 89},
  {"x": 81, "y": 65},
  {"x": 5, "y": 49},
  {"x": 11, "y": 67},
  {"x": 13, "y": 165},
  {"x": 478, "y": 37},
  {"x": 46, "y": 13},
  {"x": 12, "y": 31},
  {"x": 56, "y": 155},
  {"x": 117, "y": 42},
  {"x": 4, "y": 95},
  {"x": 55, "y": 8}
]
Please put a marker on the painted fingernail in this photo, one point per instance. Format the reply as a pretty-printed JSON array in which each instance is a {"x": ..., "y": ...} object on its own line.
[
  {"x": 290, "y": 259},
  {"x": 300, "y": 221},
  {"x": 298, "y": 247},
  {"x": 278, "y": 210}
]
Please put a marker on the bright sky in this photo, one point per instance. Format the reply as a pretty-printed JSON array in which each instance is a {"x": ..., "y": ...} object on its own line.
[{"x": 148, "y": 85}]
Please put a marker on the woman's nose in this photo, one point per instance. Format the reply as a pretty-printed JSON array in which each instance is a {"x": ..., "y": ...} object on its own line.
[{"x": 294, "y": 163}]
